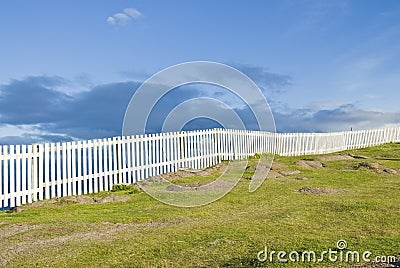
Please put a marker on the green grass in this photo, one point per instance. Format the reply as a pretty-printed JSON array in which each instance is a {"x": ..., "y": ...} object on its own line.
[{"x": 143, "y": 232}]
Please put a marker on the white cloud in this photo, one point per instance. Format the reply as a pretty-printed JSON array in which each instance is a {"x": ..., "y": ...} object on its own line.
[
  {"x": 122, "y": 18},
  {"x": 111, "y": 20},
  {"x": 134, "y": 13}
]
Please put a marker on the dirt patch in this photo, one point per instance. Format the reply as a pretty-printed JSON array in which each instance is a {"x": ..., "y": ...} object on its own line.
[
  {"x": 373, "y": 165},
  {"x": 217, "y": 185},
  {"x": 310, "y": 164},
  {"x": 358, "y": 156},
  {"x": 301, "y": 178},
  {"x": 10, "y": 230},
  {"x": 276, "y": 166},
  {"x": 378, "y": 168},
  {"x": 289, "y": 173},
  {"x": 196, "y": 183},
  {"x": 251, "y": 168},
  {"x": 76, "y": 199},
  {"x": 184, "y": 173},
  {"x": 83, "y": 199},
  {"x": 111, "y": 198},
  {"x": 175, "y": 188},
  {"x": 387, "y": 171},
  {"x": 156, "y": 178},
  {"x": 11, "y": 250},
  {"x": 318, "y": 190},
  {"x": 274, "y": 170},
  {"x": 387, "y": 158},
  {"x": 15, "y": 210},
  {"x": 273, "y": 175},
  {"x": 32, "y": 205},
  {"x": 327, "y": 158},
  {"x": 79, "y": 199},
  {"x": 201, "y": 186}
]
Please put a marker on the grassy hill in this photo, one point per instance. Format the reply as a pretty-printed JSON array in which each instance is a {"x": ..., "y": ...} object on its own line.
[{"x": 300, "y": 207}]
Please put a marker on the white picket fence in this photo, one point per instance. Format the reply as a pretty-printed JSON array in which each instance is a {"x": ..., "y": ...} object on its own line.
[{"x": 41, "y": 171}]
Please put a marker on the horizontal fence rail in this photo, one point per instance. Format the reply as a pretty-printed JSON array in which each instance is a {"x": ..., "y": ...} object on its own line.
[{"x": 41, "y": 171}]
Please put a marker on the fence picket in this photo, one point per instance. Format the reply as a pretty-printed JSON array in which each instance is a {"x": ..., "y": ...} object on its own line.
[
  {"x": 25, "y": 174},
  {"x": 95, "y": 158},
  {"x": 18, "y": 177}
]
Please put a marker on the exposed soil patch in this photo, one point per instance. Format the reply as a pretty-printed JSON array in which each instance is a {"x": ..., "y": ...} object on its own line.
[
  {"x": 378, "y": 168},
  {"x": 301, "y": 178},
  {"x": 311, "y": 164},
  {"x": 289, "y": 173},
  {"x": 251, "y": 168},
  {"x": 387, "y": 158},
  {"x": 79, "y": 199},
  {"x": 276, "y": 166},
  {"x": 273, "y": 174},
  {"x": 76, "y": 199},
  {"x": 387, "y": 171},
  {"x": 82, "y": 199},
  {"x": 205, "y": 186},
  {"x": 175, "y": 188},
  {"x": 327, "y": 158},
  {"x": 111, "y": 198},
  {"x": 9, "y": 251},
  {"x": 156, "y": 179},
  {"x": 318, "y": 190},
  {"x": 32, "y": 205},
  {"x": 184, "y": 173},
  {"x": 373, "y": 165},
  {"x": 358, "y": 156},
  {"x": 10, "y": 230},
  {"x": 274, "y": 170},
  {"x": 15, "y": 210}
]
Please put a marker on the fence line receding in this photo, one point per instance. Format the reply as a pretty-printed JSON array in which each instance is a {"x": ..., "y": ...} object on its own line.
[{"x": 41, "y": 171}]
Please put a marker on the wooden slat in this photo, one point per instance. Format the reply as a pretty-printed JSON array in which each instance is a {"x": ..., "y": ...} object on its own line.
[
  {"x": 58, "y": 169},
  {"x": 95, "y": 163},
  {"x": 18, "y": 175},
  {"x": 52, "y": 179},
  {"x": 25, "y": 156},
  {"x": 90, "y": 176}
]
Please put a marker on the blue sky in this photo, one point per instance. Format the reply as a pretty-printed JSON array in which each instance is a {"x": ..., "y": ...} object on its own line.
[{"x": 69, "y": 68}]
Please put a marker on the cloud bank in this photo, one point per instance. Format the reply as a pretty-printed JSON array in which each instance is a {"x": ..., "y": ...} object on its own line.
[
  {"x": 124, "y": 17},
  {"x": 34, "y": 110}
]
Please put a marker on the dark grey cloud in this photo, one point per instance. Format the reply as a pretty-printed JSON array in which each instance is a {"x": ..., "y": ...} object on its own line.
[
  {"x": 101, "y": 108},
  {"x": 268, "y": 81},
  {"x": 95, "y": 113},
  {"x": 341, "y": 118},
  {"x": 47, "y": 114},
  {"x": 32, "y": 100}
]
